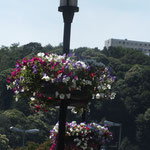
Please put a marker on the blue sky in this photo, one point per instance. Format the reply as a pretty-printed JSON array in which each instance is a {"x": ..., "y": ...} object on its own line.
[{"x": 27, "y": 21}]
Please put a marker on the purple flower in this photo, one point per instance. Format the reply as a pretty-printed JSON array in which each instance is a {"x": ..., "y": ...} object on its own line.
[
  {"x": 34, "y": 69},
  {"x": 44, "y": 74},
  {"x": 74, "y": 65},
  {"x": 70, "y": 54},
  {"x": 17, "y": 65},
  {"x": 21, "y": 78}
]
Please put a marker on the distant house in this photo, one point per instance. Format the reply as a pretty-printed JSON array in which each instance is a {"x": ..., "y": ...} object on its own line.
[{"x": 143, "y": 46}]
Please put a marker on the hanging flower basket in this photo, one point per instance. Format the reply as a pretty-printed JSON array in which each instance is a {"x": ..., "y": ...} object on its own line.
[
  {"x": 82, "y": 136},
  {"x": 49, "y": 78}
]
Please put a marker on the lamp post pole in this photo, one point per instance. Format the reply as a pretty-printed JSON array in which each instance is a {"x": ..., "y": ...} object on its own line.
[
  {"x": 24, "y": 132},
  {"x": 68, "y": 8},
  {"x": 110, "y": 123}
]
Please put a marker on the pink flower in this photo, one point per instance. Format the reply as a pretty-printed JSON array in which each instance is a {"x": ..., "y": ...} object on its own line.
[
  {"x": 40, "y": 95},
  {"x": 24, "y": 62},
  {"x": 13, "y": 73},
  {"x": 49, "y": 98},
  {"x": 37, "y": 107},
  {"x": 8, "y": 80},
  {"x": 76, "y": 77}
]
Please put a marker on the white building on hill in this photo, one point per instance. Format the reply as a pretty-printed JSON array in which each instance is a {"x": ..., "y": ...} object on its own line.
[{"x": 144, "y": 46}]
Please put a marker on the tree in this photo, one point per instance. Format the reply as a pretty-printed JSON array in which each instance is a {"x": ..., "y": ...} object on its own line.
[
  {"x": 143, "y": 130},
  {"x": 4, "y": 142}
]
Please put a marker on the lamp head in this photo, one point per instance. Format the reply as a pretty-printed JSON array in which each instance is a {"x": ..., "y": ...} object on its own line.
[
  {"x": 69, "y": 3},
  {"x": 72, "y": 5}
]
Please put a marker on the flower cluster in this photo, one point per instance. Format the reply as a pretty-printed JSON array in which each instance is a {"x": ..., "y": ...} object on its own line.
[
  {"x": 82, "y": 136},
  {"x": 47, "y": 78}
]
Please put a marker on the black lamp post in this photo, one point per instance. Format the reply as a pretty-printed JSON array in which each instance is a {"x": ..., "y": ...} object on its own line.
[{"x": 68, "y": 8}]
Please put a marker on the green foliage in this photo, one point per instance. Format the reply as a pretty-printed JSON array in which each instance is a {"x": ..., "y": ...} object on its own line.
[
  {"x": 4, "y": 142},
  {"x": 32, "y": 146},
  {"x": 143, "y": 129},
  {"x": 126, "y": 145},
  {"x": 127, "y": 56}
]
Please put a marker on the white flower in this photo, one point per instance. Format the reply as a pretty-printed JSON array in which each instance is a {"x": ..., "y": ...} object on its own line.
[
  {"x": 89, "y": 82},
  {"x": 61, "y": 96},
  {"x": 56, "y": 94},
  {"x": 73, "y": 111},
  {"x": 59, "y": 75},
  {"x": 16, "y": 92},
  {"x": 77, "y": 134},
  {"x": 16, "y": 99},
  {"x": 112, "y": 96},
  {"x": 78, "y": 143},
  {"x": 22, "y": 90},
  {"x": 104, "y": 87},
  {"x": 82, "y": 124},
  {"x": 74, "y": 81},
  {"x": 108, "y": 86},
  {"x": 102, "y": 95},
  {"x": 74, "y": 85},
  {"x": 74, "y": 123},
  {"x": 8, "y": 87},
  {"x": 81, "y": 64},
  {"x": 32, "y": 98},
  {"x": 79, "y": 88},
  {"x": 48, "y": 58},
  {"x": 68, "y": 96},
  {"x": 40, "y": 54},
  {"x": 93, "y": 96},
  {"x": 24, "y": 68},
  {"x": 99, "y": 87},
  {"x": 34, "y": 94},
  {"x": 46, "y": 78},
  {"x": 98, "y": 96}
]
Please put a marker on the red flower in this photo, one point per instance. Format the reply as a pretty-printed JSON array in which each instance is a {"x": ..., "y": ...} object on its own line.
[
  {"x": 49, "y": 98},
  {"x": 63, "y": 61},
  {"x": 92, "y": 75},
  {"x": 47, "y": 54},
  {"x": 70, "y": 73},
  {"x": 102, "y": 69},
  {"x": 59, "y": 72},
  {"x": 87, "y": 128}
]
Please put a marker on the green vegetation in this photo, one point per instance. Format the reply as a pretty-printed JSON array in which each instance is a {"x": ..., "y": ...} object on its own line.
[{"x": 131, "y": 106}]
